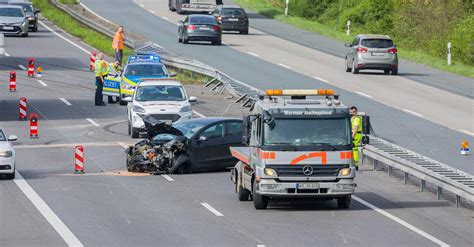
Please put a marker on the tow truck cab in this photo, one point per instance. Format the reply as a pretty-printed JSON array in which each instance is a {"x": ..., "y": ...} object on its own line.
[{"x": 298, "y": 147}]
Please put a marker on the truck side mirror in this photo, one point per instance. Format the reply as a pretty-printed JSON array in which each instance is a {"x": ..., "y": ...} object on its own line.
[
  {"x": 246, "y": 125},
  {"x": 366, "y": 125},
  {"x": 365, "y": 140}
]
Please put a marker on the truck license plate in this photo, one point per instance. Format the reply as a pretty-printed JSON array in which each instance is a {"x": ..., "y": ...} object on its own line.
[{"x": 307, "y": 186}]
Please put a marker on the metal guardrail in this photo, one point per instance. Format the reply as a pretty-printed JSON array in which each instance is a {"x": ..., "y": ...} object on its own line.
[
  {"x": 379, "y": 150},
  {"x": 428, "y": 170}
]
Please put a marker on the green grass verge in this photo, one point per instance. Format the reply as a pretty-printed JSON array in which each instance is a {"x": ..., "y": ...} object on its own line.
[{"x": 261, "y": 7}]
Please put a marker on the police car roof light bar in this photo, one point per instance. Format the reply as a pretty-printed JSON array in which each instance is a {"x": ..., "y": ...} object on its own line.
[{"x": 299, "y": 92}]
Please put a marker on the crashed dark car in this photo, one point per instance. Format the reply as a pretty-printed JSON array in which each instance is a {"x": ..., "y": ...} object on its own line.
[{"x": 195, "y": 145}]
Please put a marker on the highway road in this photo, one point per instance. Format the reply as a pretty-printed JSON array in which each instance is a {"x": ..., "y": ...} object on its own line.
[
  {"x": 49, "y": 206},
  {"x": 426, "y": 119}
]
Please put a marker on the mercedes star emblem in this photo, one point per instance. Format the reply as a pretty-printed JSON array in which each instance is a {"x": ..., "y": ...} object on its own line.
[{"x": 307, "y": 170}]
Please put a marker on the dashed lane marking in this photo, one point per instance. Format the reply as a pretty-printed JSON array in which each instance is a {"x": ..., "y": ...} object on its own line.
[
  {"x": 42, "y": 83},
  {"x": 141, "y": 5},
  {"x": 167, "y": 177},
  {"x": 363, "y": 94},
  {"x": 467, "y": 132},
  {"x": 400, "y": 221},
  {"x": 165, "y": 18},
  {"x": 152, "y": 11},
  {"x": 64, "y": 38},
  {"x": 6, "y": 54},
  {"x": 65, "y": 101},
  {"x": 199, "y": 114},
  {"x": 21, "y": 67},
  {"x": 125, "y": 146},
  {"x": 412, "y": 113},
  {"x": 253, "y": 54},
  {"x": 320, "y": 79},
  {"x": 93, "y": 122},
  {"x": 284, "y": 66},
  {"x": 47, "y": 212},
  {"x": 211, "y": 209}
]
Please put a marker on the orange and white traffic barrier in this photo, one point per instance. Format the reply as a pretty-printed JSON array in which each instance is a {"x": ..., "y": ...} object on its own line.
[
  {"x": 23, "y": 109},
  {"x": 33, "y": 125},
  {"x": 79, "y": 160},
  {"x": 39, "y": 72},
  {"x": 12, "y": 81},
  {"x": 464, "y": 147},
  {"x": 31, "y": 67},
  {"x": 92, "y": 60}
]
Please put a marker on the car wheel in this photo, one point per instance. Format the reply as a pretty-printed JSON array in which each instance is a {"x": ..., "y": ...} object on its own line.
[
  {"x": 121, "y": 101},
  {"x": 35, "y": 29},
  {"x": 395, "y": 72},
  {"x": 243, "y": 194},
  {"x": 129, "y": 128},
  {"x": 246, "y": 32},
  {"x": 135, "y": 133},
  {"x": 185, "y": 40},
  {"x": 259, "y": 201},
  {"x": 347, "y": 67},
  {"x": 386, "y": 71},
  {"x": 11, "y": 175},
  {"x": 218, "y": 42},
  {"x": 354, "y": 69},
  {"x": 344, "y": 202},
  {"x": 24, "y": 35},
  {"x": 180, "y": 39}
]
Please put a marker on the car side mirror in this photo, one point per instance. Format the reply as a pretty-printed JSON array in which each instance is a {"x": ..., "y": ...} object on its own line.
[
  {"x": 366, "y": 126},
  {"x": 246, "y": 125},
  {"x": 180, "y": 22},
  {"x": 173, "y": 74},
  {"x": 202, "y": 138},
  {"x": 127, "y": 99},
  {"x": 37, "y": 11},
  {"x": 365, "y": 140},
  {"x": 12, "y": 138},
  {"x": 192, "y": 99},
  {"x": 347, "y": 45}
]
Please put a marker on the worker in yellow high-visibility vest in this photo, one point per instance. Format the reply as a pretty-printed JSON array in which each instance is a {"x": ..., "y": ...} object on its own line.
[
  {"x": 356, "y": 123},
  {"x": 100, "y": 71}
]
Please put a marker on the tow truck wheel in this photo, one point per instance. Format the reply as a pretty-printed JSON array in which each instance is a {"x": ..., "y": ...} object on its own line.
[
  {"x": 129, "y": 129},
  {"x": 135, "y": 133},
  {"x": 344, "y": 202},
  {"x": 243, "y": 194},
  {"x": 259, "y": 201}
]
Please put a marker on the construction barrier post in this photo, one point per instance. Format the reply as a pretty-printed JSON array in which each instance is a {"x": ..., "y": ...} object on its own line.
[
  {"x": 31, "y": 67},
  {"x": 23, "y": 109},
  {"x": 92, "y": 60},
  {"x": 34, "y": 125},
  {"x": 12, "y": 81},
  {"x": 79, "y": 160}
]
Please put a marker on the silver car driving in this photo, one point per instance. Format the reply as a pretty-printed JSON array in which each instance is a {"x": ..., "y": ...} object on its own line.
[
  {"x": 13, "y": 20},
  {"x": 372, "y": 52}
]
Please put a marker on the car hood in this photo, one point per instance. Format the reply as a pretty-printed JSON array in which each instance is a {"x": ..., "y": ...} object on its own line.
[
  {"x": 155, "y": 127},
  {"x": 162, "y": 106},
  {"x": 133, "y": 79},
  {"x": 8, "y": 20},
  {"x": 5, "y": 146}
]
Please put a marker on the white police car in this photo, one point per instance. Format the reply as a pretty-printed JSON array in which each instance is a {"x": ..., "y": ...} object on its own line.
[
  {"x": 164, "y": 99},
  {"x": 7, "y": 155}
]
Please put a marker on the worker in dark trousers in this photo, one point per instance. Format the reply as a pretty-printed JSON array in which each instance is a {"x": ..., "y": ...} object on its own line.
[{"x": 100, "y": 67}]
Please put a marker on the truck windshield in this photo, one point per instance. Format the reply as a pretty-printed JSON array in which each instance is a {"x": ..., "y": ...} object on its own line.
[{"x": 303, "y": 132}]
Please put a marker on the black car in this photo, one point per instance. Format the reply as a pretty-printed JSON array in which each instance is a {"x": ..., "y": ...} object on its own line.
[
  {"x": 232, "y": 18},
  {"x": 198, "y": 27},
  {"x": 30, "y": 13},
  {"x": 199, "y": 144}
]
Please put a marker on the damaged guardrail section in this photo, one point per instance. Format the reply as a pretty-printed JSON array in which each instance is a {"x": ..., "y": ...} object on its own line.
[{"x": 379, "y": 150}]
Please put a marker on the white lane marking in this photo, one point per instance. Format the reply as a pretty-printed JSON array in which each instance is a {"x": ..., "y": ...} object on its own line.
[
  {"x": 21, "y": 67},
  {"x": 65, "y": 101},
  {"x": 151, "y": 11},
  {"x": 225, "y": 43},
  {"x": 6, "y": 54},
  {"x": 141, "y": 5},
  {"x": 412, "y": 113},
  {"x": 99, "y": 16},
  {"x": 67, "y": 145},
  {"x": 46, "y": 211},
  {"x": 64, "y": 38},
  {"x": 165, "y": 18},
  {"x": 168, "y": 178},
  {"x": 320, "y": 79},
  {"x": 210, "y": 208},
  {"x": 93, "y": 122},
  {"x": 400, "y": 221},
  {"x": 199, "y": 114},
  {"x": 42, "y": 83},
  {"x": 260, "y": 245},
  {"x": 253, "y": 54},
  {"x": 125, "y": 146},
  {"x": 467, "y": 132},
  {"x": 363, "y": 94},
  {"x": 284, "y": 66}
]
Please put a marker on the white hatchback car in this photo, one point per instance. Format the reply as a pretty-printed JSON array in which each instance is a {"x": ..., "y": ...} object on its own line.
[
  {"x": 164, "y": 99},
  {"x": 7, "y": 155}
]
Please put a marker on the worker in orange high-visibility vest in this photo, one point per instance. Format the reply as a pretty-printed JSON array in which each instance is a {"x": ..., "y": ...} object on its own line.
[{"x": 117, "y": 44}]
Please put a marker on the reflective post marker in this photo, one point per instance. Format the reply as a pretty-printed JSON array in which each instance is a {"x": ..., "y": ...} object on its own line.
[
  {"x": 348, "y": 32},
  {"x": 449, "y": 53},
  {"x": 287, "y": 2}
]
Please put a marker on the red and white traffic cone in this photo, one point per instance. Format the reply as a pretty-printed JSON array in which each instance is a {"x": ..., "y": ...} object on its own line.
[
  {"x": 79, "y": 160},
  {"x": 31, "y": 67},
  {"x": 92, "y": 60},
  {"x": 23, "y": 111},
  {"x": 12, "y": 81},
  {"x": 34, "y": 125}
]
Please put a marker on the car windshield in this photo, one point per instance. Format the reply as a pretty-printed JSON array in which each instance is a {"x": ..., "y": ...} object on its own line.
[
  {"x": 377, "y": 43},
  {"x": 145, "y": 70},
  {"x": 299, "y": 132},
  {"x": 203, "y": 20},
  {"x": 2, "y": 136},
  {"x": 188, "y": 128},
  {"x": 234, "y": 12},
  {"x": 11, "y": 12},
  {"x": 26, "y": 7},
  {"x": 159, "y": 93}
]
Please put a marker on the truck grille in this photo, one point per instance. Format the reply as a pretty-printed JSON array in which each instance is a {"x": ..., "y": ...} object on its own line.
[
  {"x": 297, "y": 170},
  {"x": 172, "y": 117}
]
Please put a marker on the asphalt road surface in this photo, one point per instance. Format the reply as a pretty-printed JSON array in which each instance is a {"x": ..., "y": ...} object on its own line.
[
  {"x": 47, "y": 205},
  {"x": 425, "y": 119}
]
